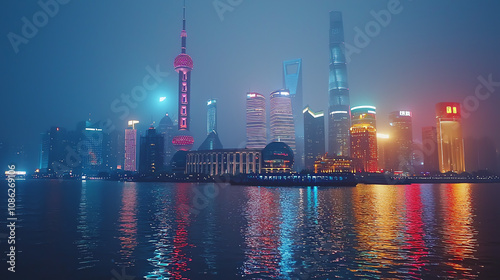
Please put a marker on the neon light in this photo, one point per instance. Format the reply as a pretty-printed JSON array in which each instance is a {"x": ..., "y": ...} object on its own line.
[
  {"x": 405, "y": 113},
  {"x": 454, "y": 110},
  {"x": 93, "y": 129},
  {"x": 162, "y": 98},
  {"x": 372, "y": 112},
  {"x": 338, "y": 112},
  {"x": 448, "y": 109},
  {"x": 364, "y": 107}
]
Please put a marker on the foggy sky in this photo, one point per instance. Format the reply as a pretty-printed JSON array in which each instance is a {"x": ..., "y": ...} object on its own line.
[{"x": 90, "y": 53}]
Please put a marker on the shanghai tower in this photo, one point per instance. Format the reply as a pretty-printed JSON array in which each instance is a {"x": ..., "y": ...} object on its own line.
[{"x": 338, "y": 90}]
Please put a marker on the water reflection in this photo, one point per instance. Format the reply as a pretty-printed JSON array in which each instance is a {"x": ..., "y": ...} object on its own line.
[
  {"x": 128, "y": 225},
  {"x": 88, "y": 227},
  {"x": 171, "y": 260},
  {"x": 262, "y": 212},
  {"x": 458, "y": 233}
]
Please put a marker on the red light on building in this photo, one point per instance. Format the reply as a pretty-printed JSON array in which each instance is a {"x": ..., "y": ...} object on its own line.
[{"x": 448, "y": 110}]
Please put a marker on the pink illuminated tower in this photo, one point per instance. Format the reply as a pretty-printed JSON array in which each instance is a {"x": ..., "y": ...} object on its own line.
[{"x": 183, "y": 64}]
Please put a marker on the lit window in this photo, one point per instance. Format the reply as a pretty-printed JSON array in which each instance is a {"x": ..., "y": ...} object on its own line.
[
  {"x": 454, "y": 110},
  {"x": 448, "y": 109},
  {"x": 184, "y": 87},
  {"x": 183, "y": 122},
  {"x": 184, "y": 98},
  {"x": 184, "y": 76},
  {"x": 183, "y": 111}
]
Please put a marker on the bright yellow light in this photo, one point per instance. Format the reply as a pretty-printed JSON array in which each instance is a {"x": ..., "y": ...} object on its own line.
[
  {"x": 454, "y": 110},
  {"x": 382, "y": 136},
  {"x": 448, "y": 109}
]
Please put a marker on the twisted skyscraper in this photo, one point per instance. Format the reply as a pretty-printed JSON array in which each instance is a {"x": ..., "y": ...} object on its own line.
[{"x": 338, "y": 109}]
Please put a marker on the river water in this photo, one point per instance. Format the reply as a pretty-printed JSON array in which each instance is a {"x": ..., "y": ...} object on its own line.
[{"x": 125, "y": 230}]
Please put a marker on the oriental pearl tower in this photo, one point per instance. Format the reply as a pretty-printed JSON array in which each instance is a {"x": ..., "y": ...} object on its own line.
[{"x": 183, "y": 64}]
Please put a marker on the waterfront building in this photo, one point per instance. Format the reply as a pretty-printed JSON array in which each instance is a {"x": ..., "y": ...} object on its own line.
[
  {"x": 91, "y": 149},
  {"x": 277, "y": 157},
  {"x": 333, "y": 164},
  {"x": 314, "y": 136},
  {"x": 212, "y": 142},
  {"x": 256, "y": 121},
  {"x": 223, "y": 161},
  {"x": 449, "y": 137},
  {"x": 338, "y": 109},
  {"x": 282, "y": 126}
]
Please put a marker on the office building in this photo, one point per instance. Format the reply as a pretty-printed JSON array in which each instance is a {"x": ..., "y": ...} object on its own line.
[
  {"x": 211, "y": 116},
  {"x": 223, "y": 161},
  {"x": 399, "y": 157},
  {"x": 167, "y": 129},
  {"x": 282, "y": 126},
  {"x": 430, "y": 149},
  {"x": 449, "y": 137},
  {"x": 314, "y": 136},
  {"x": 256, "y": 121},
  {"x": 332, "y": 164},
  {"x": 363, "y": 135},
  {"x": 130, "y": 162},
  {"x": 277, "y": 157}
]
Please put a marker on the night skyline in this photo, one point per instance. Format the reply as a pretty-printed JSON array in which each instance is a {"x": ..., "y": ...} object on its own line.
[{"x": 86, "y": 56}]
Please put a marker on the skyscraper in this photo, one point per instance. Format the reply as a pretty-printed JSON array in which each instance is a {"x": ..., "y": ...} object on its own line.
[
  {"x": 166, "y": 129},
  {"x": 130, "y": 163},
  {"x": 211, "y": 116},
  {"x": 183, "y": 64},
  {"x": 430, "y": 149},
  {"x": 364, "y": 138},
  {"x": 256, "y": 121},
  {"x": 449, "y": 137},
  {"x": 399, "y": 158},
  {"x": 92, "y": 140},
  {"x": 338, "y": 110},
  {"x": 151, "y": 156},
  {"x": 292, "y": 81},
  {"x": 314, "y": 136},
  {"x": 282, "y": 126}
]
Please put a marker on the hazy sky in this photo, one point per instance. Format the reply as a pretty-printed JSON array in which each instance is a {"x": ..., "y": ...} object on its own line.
[{"x": 88, "y": 53}]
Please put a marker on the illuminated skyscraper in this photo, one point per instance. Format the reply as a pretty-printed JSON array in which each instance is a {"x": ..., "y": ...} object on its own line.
[
  {"x": 256, "y": 121},
  {"x": 92, "y": 140},
  {"x": 292, "y": 81},
  {"x": 183, "y": 64},
  {"x": 430, "y": 149},
  {"x": 399, "y": 157},
  {"x": 363, "y": 136},
  {"x": 211, "y": 116},
  {"x": 314, "y": 136},
  {"x": 282, "y": 126},
  {"x": 449, "y": 137},
  {"x": 338, "y": 110},
  {"x": 130, "y": 163}
]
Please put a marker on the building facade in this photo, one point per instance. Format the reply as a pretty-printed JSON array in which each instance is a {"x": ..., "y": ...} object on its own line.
[
  {"x": 430, "y": 149},
  {"x": 277, "y": 157},
  {"x": 332, "y": 164},
  {"x": 151, "y": 154},
  {"x": 130, "y": 161},
  {"x": 449, "y": 137},
  {"x": 363, "y": 135},
  {"x": 211, "y": 116},
  {"x": 256, "y": 121},
  {"x": 167, "y": 129},
  {"x": 314, "y": 136},
  {"x": 281, "y": 118},
  {"x": 339, "y": 105},
  {"x": 400, "y": 157},
  {"x": 225, "y": 161}
]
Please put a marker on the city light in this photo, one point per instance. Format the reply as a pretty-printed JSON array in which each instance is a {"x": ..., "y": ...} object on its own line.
[{"x": 162, "y": 98}]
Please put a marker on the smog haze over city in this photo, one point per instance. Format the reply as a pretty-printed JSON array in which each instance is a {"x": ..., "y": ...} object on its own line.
[{"x": 88, "y": 55}]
